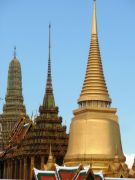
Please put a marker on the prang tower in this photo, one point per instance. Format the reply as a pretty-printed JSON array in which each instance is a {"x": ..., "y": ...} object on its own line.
[
  {"x": 13, "y": 108},
  {"x": 94, "y": 132}
]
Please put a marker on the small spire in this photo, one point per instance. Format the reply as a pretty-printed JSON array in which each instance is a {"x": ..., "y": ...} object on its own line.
[
  {"x": 49, "y": 76},
  {"x": 49, "y": 42},
  {"x": 94, "y": 20},
  {"x": 51, "y": 162},
  {"x": 50, "y": 156},
  {"x": 50, "y": 150},
  {"x": 15, "y": 52}
]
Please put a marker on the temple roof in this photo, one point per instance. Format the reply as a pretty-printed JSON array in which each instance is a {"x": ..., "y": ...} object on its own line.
[{"x": 94, "y": 86}]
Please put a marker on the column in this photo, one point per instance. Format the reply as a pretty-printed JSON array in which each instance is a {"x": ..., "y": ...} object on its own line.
[
  {"x": 4, "y": 170},
  {"x": 8, "y": 168},
  {"x": 17, "y": 168},
  {"x": 11, "y": 171},
  {"x": 20, "y": 170},
  {"x": 25, "y": 168},
  {"x": 31, "y": 167},
  {"x": 42, "y": 162},
  {"x": 15, "y": 171},
  {"x": 0, "y": 169}
]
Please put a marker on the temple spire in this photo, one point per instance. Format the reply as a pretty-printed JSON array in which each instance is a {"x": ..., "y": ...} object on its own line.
[
  {"x": 49, "y": 97},
  {"x": 94, "y": 91},
  {"x": 13, "y": 107},
  {"x": 94, "y": 20},
  {"x": 14, "y": 97}
]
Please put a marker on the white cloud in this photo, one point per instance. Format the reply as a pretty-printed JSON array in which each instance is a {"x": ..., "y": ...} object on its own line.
[{"x": 130, "y": 159}]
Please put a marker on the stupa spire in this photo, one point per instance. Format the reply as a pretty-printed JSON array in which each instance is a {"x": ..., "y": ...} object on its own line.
[
  {"x": 94, "y": 19},
  {"x": 49, "y": 97},
  {"x": 94, "y": 91}
]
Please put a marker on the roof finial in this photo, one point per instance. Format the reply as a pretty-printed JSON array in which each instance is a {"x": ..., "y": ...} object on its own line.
[
  {"x": 15, "y": 52},
  {"x": 94, "y": 20},
  {"x": 49, "y": 42},
  {"x": 49, "y": 98},
  {"x": 49, "y": 58}
]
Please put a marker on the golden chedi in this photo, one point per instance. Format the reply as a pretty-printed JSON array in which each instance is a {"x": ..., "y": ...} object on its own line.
[{"x": 94, "y": 131}]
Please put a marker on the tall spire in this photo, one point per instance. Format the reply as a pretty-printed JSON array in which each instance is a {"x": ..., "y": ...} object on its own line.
[
  {"x": 94, "y": 21},
  {"x": 13, "y": 107},
  {"x": 48, "y": 101},
  {"x": 94, "y": 91},
  {"x": 14, "y": 98}
]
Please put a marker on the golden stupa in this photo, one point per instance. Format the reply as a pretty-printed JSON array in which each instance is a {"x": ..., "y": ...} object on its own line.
[{"x": 94, "y": 132}]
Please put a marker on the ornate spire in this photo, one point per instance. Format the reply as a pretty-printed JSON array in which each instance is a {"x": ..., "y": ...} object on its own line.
[
  {"x": 48, "y": 101},
  {"x": 94, "y": 91},
  {"x": 50, "y": 157},
  {"x": 13, "y": 107},
  {"x": 14, "y": 98}
]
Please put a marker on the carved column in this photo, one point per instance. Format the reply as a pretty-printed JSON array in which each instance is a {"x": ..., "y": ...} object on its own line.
[
  {"x": 31, "y": 167},
  {"x": 25, "y": 168},
  {"x": 42, "y": 162}
]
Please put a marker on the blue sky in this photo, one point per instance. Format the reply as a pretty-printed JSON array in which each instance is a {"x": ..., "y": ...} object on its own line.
[{"x": 25, "y": 24}]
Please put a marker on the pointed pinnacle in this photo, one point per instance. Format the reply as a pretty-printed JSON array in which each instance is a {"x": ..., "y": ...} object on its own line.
[
  {"x": 15, "y": 52},
  {"x": 49, "y": 39},
  {"x": 50, "y": 150},
  {"x": 94, "y": 20}
]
